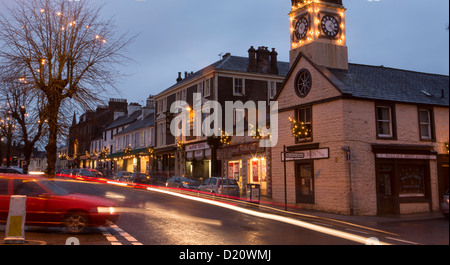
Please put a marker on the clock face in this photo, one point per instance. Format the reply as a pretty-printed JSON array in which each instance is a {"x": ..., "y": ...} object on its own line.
[
  {"x": 303, "y": 83},
  {"x": 301, "y": 28},
  {"x": 330, "y": 26}
]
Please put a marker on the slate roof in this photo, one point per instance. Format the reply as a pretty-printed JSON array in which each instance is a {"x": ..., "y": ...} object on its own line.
[
  {"x": 125, "y": 119},
  {"x": 230, "y": 63},
  {"x": 381, "y": 83},
  {"x": 148, "y": 121}
]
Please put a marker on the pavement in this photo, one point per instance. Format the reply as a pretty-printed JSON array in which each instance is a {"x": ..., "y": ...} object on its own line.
[{"x": 267, "y": 202}]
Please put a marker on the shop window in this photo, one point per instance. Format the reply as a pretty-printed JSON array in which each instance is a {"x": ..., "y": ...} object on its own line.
[{"x": 412, "y": 181}]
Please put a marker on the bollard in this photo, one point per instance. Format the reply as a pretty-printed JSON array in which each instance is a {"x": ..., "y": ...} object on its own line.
[{"x": 15, "y": 233}]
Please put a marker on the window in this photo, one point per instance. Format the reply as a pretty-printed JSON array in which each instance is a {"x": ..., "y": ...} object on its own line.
[
  {"x": 238, "y": 115},
  {"x": 425, "y": 124},
  {"x": 304, "y": 117},
  {"x": 160, "y": 140},
  {"x": 207, "y": 88},
  {"x": 385, "y": 121},
  {"x": 238, "y": 87},
  {"x": 159, "y": 108},
  {"x": 28, "y": 188},
  {"x": 200, "y": 88},
  {"x": 272, "y": 89}
]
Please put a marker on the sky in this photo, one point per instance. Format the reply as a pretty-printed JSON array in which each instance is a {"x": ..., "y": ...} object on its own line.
[{"x": 188, "y": 35}]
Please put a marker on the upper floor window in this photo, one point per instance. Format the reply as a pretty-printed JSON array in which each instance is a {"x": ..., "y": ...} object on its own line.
[
  {"x": 207, "y": 88},
  {"x": 272, "y": 89},
  {"x": 385, "y": 116},
  {"x": 426, "y": 124},
  {"x": 304, "y": 120},
  {"x": 238, "y": 87}
]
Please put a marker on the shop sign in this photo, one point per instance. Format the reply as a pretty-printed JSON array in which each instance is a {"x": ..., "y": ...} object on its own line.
[
  {"x": 406, "y": 156},
  {"x": 241, "y": 149},
  {"x": 199, "y": 154},
  {"x": 322, "y": 153},
  {"x": 194, "y": 147}
]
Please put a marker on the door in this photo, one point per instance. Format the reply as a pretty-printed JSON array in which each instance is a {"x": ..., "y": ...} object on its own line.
[
  {"x": 36, "y": 201},
  {"x": 387, "y": 203},
  {"x": 304, "y": 183},
  {"x": 4, "y": 200}
]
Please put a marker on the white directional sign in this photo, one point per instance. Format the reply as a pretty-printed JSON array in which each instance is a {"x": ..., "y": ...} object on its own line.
[{"x": 322, "y": 153}]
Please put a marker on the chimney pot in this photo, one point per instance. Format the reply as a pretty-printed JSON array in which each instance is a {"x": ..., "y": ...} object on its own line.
[
  {"x": 179, "y": 79},
  {"x": 251, "y": 59},
  {"x": 274, "y": 62}
]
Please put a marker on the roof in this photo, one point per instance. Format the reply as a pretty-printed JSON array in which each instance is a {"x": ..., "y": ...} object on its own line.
[
  {"x": 383, "y": 83},
  {"x": 125, "y": 119},
  {"x": 231, "y": 63},
  {"x": 148, "y": 121}
]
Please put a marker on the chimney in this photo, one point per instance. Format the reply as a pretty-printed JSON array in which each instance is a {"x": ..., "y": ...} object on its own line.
[
  {"x": 263, "y": 60},
  {"x": 179, "y": 79},
  {"x": 132, "y": 107},
  {"x": 149, "y": 107},
  {"x": 251, "y": 60},
  {"x": 273, "y": 62},
  {"x": 226, "y": 55}
]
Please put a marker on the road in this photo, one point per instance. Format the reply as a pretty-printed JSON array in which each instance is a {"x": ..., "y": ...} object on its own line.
[{"x": 161, "y": 217}]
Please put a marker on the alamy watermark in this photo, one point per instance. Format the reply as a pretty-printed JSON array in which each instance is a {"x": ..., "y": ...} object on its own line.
[{"x": 206, "y": 119}]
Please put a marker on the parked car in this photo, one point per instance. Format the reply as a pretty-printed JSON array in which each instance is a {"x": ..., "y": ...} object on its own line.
[
  {"x": 9, "y": 170},
  {"x": 48, "y": 204},
  {"x": 85, "y": 172},
  {"x": 122, "y": 176},
  {"x": 140, "y": 178},
  {"x": 216, "y": 185},
  {"x": 444, "y": 204},
  {"x": 182, "y": 182}
]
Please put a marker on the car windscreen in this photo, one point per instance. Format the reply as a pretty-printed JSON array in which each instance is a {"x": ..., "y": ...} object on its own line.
[
  {"x": 187, "y": 180},
  {"x": 53, "y": 187},
  {"x": 229, "y": 182}
]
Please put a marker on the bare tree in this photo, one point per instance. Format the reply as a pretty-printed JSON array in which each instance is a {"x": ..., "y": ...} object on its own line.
[
  {"x": 66, "y": 50},
  {"x": 7, "y": 130},
  {"x": 27, "y": 108}
]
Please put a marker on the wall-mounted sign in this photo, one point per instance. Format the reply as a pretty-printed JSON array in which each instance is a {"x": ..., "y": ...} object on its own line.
[{"x": 323, "y": 153}]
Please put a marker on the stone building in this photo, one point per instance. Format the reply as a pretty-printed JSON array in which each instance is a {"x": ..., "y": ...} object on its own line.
[
  {"x": 255, "y": 78},
  {"x": 369, "y": 139}
]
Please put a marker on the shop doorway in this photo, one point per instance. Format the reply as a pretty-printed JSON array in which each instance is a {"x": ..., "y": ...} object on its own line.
[
  {"x": 304, "y": 183},
  {"x": 387, "y": 202}
]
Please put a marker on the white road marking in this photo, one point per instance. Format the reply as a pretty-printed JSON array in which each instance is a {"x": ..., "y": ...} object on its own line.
[{"x": 125, "y": 235}]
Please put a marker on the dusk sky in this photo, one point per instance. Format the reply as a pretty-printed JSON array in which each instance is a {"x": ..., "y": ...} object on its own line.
[{"x": 187, "y": 35}]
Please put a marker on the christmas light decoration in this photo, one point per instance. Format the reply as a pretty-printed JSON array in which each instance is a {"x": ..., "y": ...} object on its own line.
[{"x": 299, "y": 129}]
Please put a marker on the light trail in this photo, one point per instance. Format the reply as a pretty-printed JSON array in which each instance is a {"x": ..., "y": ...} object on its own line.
[{"x": 317, "y": 228}]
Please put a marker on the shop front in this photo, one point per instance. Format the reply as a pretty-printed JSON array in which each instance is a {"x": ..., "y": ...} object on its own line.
[
  {"x": 247, "y": 164},
  {"x": 404, "y": 179},
  {"x": 198, "y": 161}
]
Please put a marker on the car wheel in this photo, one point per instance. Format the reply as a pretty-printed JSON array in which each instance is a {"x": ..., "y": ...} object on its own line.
[{"x": 75, "y": 222}]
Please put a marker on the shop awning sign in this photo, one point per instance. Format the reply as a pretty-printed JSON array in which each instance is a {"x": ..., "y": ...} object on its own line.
[{"x": 322, "y": 153}]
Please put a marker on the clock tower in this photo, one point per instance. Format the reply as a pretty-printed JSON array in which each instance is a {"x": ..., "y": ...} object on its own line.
[{"x": 318, "y": 31}]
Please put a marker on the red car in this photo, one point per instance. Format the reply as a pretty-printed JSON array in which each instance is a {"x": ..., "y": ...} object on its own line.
[{"x": 49, "y": 204}]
